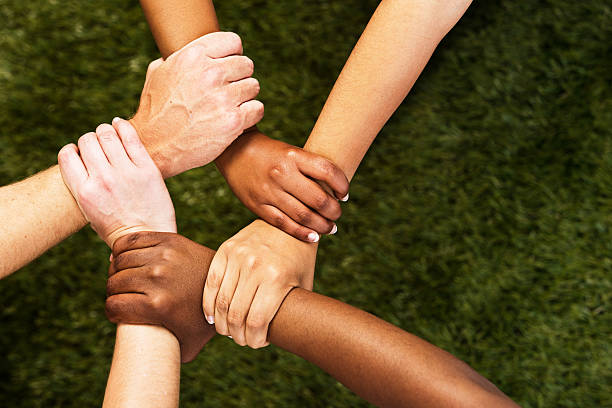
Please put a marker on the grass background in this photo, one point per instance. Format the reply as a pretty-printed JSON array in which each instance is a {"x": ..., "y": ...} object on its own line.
[{"x": 480, "y": 220}]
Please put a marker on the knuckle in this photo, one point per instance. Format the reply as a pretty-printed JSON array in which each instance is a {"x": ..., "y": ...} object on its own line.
[
  {"x": 256, "y": 321},
  {"x": 111, "y": 310},
  {"x": 321, "y": 201},
  {"x": 156, "y": 272},
  {"x": 233, "y": 121},
  {"x": 160, "y": 304},
  {"x": 252, "y": 261},
  {"x": 214, "y": 74},
  {"x": 278, "y": 220},
  {"x": 233, "y": 40},
  {"x": 277, "y": 171},
  {"x": 292, "y": 154},
  {"x": 235, "y": 318},
  {"x": 303, "y": 216},
  {"x": 222, "y": 304}
]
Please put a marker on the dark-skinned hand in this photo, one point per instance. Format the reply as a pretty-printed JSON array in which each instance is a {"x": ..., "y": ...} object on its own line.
[
  {"x": 281, "y": 184},
  {"x": 158, "y": 278}
]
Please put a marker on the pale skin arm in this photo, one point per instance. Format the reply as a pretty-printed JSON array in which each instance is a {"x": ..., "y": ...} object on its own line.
[{"x": 38, "y": 213}]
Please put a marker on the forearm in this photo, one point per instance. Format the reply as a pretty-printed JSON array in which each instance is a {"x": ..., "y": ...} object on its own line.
[
  {"x": 378, "y": 361},
  {"x": 37, "y": 213},
  {"x": 175, "y": 23},
  {"x": 145, "y": 371},
  {"x": 387, "y": 60}
]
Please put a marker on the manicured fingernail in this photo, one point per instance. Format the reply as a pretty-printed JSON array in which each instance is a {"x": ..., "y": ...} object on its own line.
[
  {"x": 345, "y": 198},
  {"x": 334, "y": 230},
  {"x": 313, "y": 237},
  {"x": 115, "y": 120},
  {"x": 230, "y": 337},
  {"x": 210, "y": 319},
  {"x": 110, "y": 258}
]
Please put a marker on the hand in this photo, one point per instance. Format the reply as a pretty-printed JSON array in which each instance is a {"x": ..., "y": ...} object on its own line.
[
  {"x": 158, "y": 278},
  {"x": 278, "y": 182},
  {"x": 196, "y": 102},
  {"x": 250, "y": 276},
  {"x": 115, "y": 182}
]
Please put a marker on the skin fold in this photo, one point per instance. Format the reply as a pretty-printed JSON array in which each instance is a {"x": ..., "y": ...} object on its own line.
[
  {"x": 154, "y": 279},
  {"x": 218, "y": 106},
  {"x": 394, "y": 48}
]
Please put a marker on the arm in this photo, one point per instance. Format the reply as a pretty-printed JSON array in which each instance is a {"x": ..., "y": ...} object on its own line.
[
  {"x": 108, "y": 175},
  {"x": 387, "y": 60},
  {"x": 37, "y": 213},
  {"x": 402, "y": 370},
  {"x": 188, "y": 82}
]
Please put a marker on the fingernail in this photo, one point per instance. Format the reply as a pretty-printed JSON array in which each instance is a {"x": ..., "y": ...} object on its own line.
[
  {"x": 334, "y": 230},
  {"x": 115, "y": 120},
  {"x": 230, "y": 337},
  {"x": 210, "y": 319},
  {"x": 110, "y": 258},
  {"x": 345, "y": 198},
  {"x": 313, "y": 237}
]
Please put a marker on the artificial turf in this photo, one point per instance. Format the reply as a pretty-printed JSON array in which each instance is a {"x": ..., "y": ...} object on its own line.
[{"x": 480, "y": 220}]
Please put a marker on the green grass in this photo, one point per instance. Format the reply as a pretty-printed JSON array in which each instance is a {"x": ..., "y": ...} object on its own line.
[{"x": 481, "y": 219}]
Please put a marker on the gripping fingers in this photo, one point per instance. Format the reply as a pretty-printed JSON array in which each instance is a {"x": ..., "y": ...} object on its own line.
[
  {"x": 72, "y": 168},
  {"x": 304, "y": 215},
  {"x": 132, "y": 143},
  {"x": 132, "y": 308},
  {"x": 219, "y": 44},
  {"x": 111, "y": 145},
  {"x": 239, "y": 308},
  {"x": 252, "y": 111},
  {"x": 127, "y": 281},
  {"x": 225, "y": 296},
  {"x": 236, "y": 67},
  {"x": 266, "y": 303},
  {"x": 92, "y": 155},
  {"x": 319, "y": 168},
  {"x": 282, "y": 221},
  {"x": 243, "y": 90},
  {"x": 216, "y": 272}
]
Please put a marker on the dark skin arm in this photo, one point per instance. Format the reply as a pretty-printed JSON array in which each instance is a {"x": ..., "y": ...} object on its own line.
[{"x": 157, "y": 278}]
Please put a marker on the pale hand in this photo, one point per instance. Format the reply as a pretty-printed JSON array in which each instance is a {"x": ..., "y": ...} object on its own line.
[
  {"x": 249, "y": 277},
  {"x": 116, "y": 183},
  {"x": 196, "y": 102}
]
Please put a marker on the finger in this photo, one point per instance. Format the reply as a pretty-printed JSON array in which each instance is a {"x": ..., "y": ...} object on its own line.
[
  {"x": 129, "y": 308},
  {"x": 236, "y": 67},
  {"x": 253, "y": 112},
  {"x": 239, "y": 308},
  {"x": 305, "y": 216},
  {"x": 153, "y": 65},
  {"x": 282, "y": 221},
  {"x": 135, "y": 258},
  {"x": 222, "y": 44},
  {"x": 137, "y": 240},
  {"x": 243, "y": 90},
  {"x": 311, "y": 194},
  {"x": 127, "y": 281},
  {"x": 216, "y": 45},
  {"x": 132, "y": 143},
  {"x": 72, "y": 168},
  {"x": 266, "y": 303},
  {"x": 111, "y": 145},
  {"x": 216, "y": 271},
  {"x": 92, "y": 155},
  {"x": 319, "y": 168},
  {"x": 225, "y": 295}
]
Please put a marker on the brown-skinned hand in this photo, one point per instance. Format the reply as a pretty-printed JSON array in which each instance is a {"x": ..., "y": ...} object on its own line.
[
  {"x": 158, "y": 278},
  {"x": 281, "y": 183}
]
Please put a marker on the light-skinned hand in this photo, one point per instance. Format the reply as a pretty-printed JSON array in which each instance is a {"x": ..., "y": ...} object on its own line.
[
  {"x": 116, "y": 183},
  {"x": 196, "y": 102},
  {"x": 280, "y": 183},
  {"x": 249, "y": 277}
]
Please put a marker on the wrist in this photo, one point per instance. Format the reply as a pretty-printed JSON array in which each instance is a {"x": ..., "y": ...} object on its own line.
[
  {"x": 162, "y": 161},
  {"x": 121, "y": 232}
]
